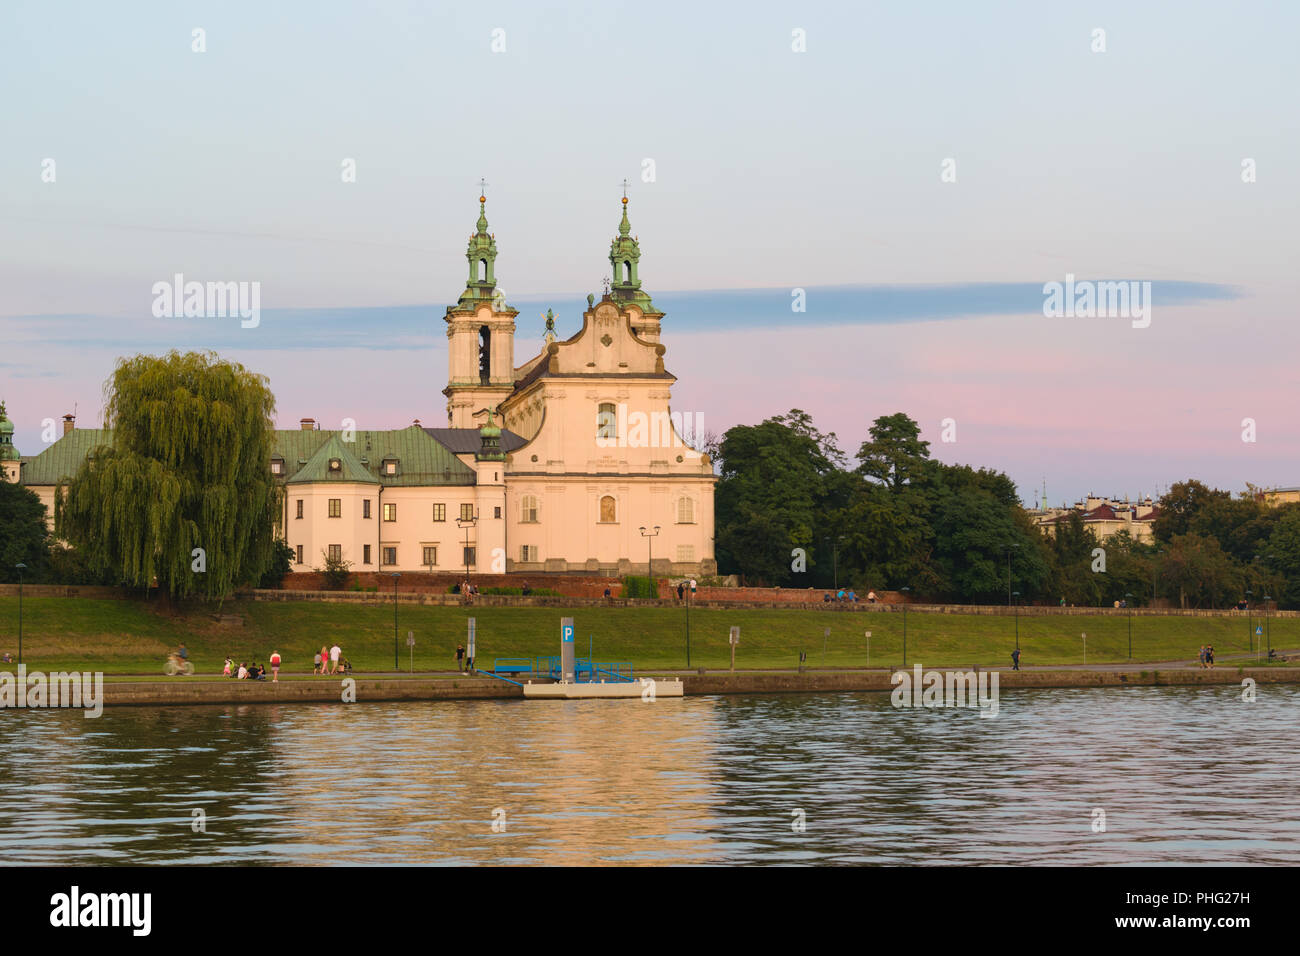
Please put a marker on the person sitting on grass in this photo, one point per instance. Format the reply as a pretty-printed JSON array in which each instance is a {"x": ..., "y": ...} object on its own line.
[{"x": 242, "y": 673}]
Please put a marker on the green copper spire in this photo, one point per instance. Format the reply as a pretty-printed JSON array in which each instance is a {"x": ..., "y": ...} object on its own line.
[
  {"x": 624, "y": 256},
  {"x": 480, "y": 288},
  {"x": 489, "y": 437}
]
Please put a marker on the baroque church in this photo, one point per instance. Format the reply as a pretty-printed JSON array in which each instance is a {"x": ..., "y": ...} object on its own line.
[{"x": 570, "y": 462}]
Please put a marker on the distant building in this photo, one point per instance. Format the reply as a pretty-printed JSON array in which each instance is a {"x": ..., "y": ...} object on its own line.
[
  {"x": 555, "y": 465},
  {"x": 1104, "y": 517},
  {"x": 1279, "y": 496}
]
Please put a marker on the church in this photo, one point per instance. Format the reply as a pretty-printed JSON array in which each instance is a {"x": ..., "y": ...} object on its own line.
[{"x": 569, "y": 462}]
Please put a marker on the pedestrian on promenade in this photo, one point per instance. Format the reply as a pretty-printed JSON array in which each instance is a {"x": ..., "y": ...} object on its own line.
[
  {"x": 315, "y": 669},
  {"x": 1209, "y": 655},
  {"x": 1202, "y": 656},
  {"x": 324, "y": 659},
  {"x": 460, "y": 658},
  {"x": 681, "y": 591},
  {"x": 230, "y": 665},
  {"x": 275, "y": 667},
  {"x": 1015, "y": 659},
  {"x": 335, "y": 651}
]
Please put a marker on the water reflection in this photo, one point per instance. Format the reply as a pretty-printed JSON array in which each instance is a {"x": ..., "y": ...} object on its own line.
[{"x": 1183, "y": 775}]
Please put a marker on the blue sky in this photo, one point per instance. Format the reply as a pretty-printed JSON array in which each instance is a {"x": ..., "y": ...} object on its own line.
[{"x": 773, "y": 170}]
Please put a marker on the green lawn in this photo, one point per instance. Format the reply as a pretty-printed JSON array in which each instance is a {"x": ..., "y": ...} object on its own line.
[{"x": 130, "y": 637}]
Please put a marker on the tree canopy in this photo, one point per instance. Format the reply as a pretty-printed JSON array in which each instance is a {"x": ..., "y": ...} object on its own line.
[{"x": 183, "y": 494}]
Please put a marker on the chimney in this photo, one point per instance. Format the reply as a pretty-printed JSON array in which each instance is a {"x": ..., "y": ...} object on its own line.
[
  {"x": 416, "y": 423},
  {"x": 307, "y": 424},
  {"x": 69, "y": 423}
]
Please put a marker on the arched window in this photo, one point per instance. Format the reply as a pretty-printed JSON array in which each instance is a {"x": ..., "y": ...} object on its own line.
[
  {"x": 484, "y": 354},
  {"x": 627, "y": 271},
  {"x": 607, "y": 421},
  {"x": 685, "y": 511},
  {"x": 482, "y": 271},
  {"x": 608, "y": 510},
  {"x": 528, "y": 509}
]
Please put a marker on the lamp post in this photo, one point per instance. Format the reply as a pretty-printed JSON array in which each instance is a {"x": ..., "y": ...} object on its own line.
[
  {"x": 1268, "y": 632},
  {"x": 1016, "y": 595},
  {"x": 20, "y": 568},
  {"x": 900, "y": 591},
  {"x": 1153, "y": 576},
  {"x": 1013, "y": 547},
  {"x": 649, "y": 555},
  {"x": 834, "y": 545},
  {"x": 396, "y": 575},
  {"x": 466, "y": 524},
  {"x": 1250, "y": 638},
  {"x": 1130, "y": 624}
]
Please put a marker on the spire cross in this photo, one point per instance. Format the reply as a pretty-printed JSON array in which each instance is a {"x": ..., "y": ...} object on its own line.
[
  {"x": 624, "y": 184},
  {"x": 482, "y": 186},
  {"x": 605, "y": 280}
]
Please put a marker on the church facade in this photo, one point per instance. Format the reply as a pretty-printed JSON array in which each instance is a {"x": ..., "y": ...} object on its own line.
[{"x": 572, "y": 461}]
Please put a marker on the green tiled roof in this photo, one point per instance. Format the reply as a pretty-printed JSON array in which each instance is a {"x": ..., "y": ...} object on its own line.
[
  {"x": 63, "y": 458},
  {"x": 421, "y": 460},
  {"x": 318, "y": 465}
]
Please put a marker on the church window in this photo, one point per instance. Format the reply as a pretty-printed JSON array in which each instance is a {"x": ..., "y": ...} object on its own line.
[
  {"x": 608, "y": 510},
  {"x": 685, "y": 511},
  {"x": 484, "y": 354},
  {"x": 607, "y": 421},
  {"x": 482, "y": 271},
  {"x": 627, "y": 271},
  {"x": 528, "y": 509}
]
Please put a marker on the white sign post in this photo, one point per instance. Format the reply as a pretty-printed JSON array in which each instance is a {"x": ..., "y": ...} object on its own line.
[
  {"x": 734, "y": 639},
  {"x": 410, "y": 642},
  {"x": 469, "y": 644},
  {"x": 1085, "y": 650},
  {"x": 868, "y": 648}
]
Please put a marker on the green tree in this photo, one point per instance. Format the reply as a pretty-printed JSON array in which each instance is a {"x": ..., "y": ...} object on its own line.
[
  {"x": 894, "y": 452},
  {"x": 24, "y": 537},
  {"x": 281, "y": 564},
  {"x": 1180, "y": 507},
  {"x": 187, "y": 469}
]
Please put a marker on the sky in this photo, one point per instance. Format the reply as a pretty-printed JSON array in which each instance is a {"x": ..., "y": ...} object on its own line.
[{"x": 918, "y": 170}]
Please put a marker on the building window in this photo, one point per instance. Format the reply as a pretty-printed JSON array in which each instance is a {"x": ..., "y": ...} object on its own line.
[
  {"x": 277, "y": 467},
  {"x": 365, "y": 554},
  {"x": 390, "y": 467},
  {"x": 298, "y": 552},
  {"x": 608, "y": 510},
  {"x": 430, "y": 556},
  {"x": 336, "y": 507},
  {"x": 439, "y": 512},
  {"x": 607, "y": 421},
  {"x": 365, "y": 508},
  {"x": 528, "y": 509},
  {"x": 685, "y": 553},
  {"x": 336, "y": 552},
  {"x": 389, "y": 556},
  {"x": 390, "y": 512},
  {"x": 469, "y": 556},
  {"x": 467, "y": 512},
  {"x": 528, "y": 552},
  {"x": 299, "y": 514},
  {"x": 685, "y": 511},
  {"x": 496, "y": 511}
]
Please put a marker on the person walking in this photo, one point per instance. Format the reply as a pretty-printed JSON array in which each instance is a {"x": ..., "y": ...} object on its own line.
[
  {"x": 275, "y": 667},
  {"x": 324, "y": 659},
  {"x": 681, "y": 590},
  {"x": 460, "y": 658},
  {"x": 1200, "y": 657},
  {"x": 230, "y": 666},
  {"x": 335, "y": 651},
  {"x": 1209, "y": 656},
  {"x": 1015, "y": 659}
]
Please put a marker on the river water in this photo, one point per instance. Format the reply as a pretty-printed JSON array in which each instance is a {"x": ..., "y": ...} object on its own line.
[{"x": 1182, "y": 775}]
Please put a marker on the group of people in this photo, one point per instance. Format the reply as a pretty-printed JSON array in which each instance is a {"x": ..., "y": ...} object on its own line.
[
  {"x": 1207, "y": 655},
  {"x": 850, "y": 597},
  {"x": 252, "y": 671},
  {"x": 330, "y": 660}
]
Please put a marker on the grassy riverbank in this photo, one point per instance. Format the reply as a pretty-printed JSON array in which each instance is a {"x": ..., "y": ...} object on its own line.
[{"x": 131, "y": 637}]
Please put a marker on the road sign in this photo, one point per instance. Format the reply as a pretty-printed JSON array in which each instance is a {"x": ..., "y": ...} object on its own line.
[
  {"x": 469, "y": 643},
  {"x": 566, "y": 649},
  {"x": 410, "y": 639},
  {"x": 1258, "y": 631},
  {"x": 735, "y": 635}
]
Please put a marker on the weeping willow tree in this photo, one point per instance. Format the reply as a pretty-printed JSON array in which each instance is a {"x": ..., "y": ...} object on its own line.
[{"x": 183, "y": 492}]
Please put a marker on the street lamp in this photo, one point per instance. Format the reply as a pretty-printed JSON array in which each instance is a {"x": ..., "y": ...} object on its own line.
[
  {"x": 1268, "y": 631},
  {"x": 835, "y": 559},
  {"x": 649, "y": 556},
  {"x": 900, "y": 591},
  {"x": 1250, "y": 638},
  {"x": 1154, "y": 566},
  {"x": 1013, "y": 547},
  {"x": 1017, "y": 597},
  {"x": 466, "y": 523},
  {"x": 1130, "y": 624},
  {"x": 396, "y": 575},
  {"x": 20, "y": 568}
]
